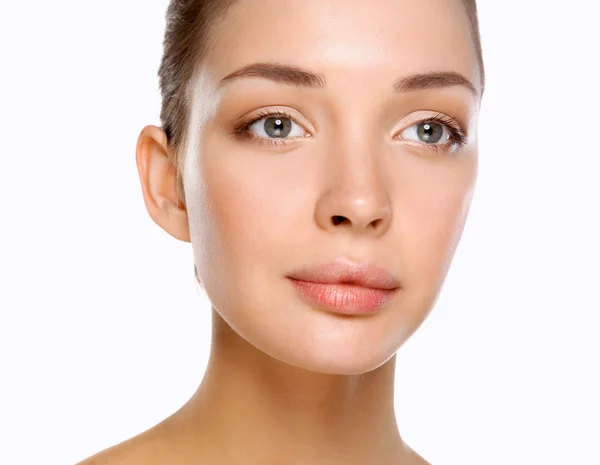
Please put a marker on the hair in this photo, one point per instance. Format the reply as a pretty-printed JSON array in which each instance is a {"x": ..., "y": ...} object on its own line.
[{"x": 188, "y": 39}]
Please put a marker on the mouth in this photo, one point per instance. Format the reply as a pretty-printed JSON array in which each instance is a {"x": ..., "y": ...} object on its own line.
[
  {"x": 345, "y": 287},
  {"x": 348, "y": 299}
]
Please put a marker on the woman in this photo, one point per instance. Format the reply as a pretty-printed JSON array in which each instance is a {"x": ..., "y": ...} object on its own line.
[{"x": 321, "y": 157}]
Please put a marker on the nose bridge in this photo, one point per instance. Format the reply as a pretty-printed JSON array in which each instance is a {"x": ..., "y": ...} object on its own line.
[{"x": 356, "y": 193}]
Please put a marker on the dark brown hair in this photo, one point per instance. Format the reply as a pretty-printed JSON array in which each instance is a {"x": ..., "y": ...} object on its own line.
[{"x": 188, "y": 39}]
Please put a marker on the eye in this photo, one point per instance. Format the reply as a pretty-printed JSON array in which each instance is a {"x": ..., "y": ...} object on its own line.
[
  {"x": 436, "y": 132},
  {"x": 277, "y": 126},
  {"x": 271, "y": 127},
  {"x": 428, "y": 132}
]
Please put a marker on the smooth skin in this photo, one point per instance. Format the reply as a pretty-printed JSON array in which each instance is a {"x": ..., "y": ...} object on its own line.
[{"x": 288, "y": 383}]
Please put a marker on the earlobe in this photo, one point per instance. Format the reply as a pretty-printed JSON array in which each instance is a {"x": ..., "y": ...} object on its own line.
[{"x": 158, "y": 178}]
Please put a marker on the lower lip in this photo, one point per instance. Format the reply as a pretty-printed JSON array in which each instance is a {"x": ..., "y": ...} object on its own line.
[{"x": 346, "y": 299}]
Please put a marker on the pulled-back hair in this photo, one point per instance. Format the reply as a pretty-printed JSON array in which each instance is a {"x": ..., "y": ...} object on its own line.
[{"x": 188, "y": 39}]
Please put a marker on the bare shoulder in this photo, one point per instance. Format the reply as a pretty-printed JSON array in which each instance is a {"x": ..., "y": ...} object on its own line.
[
  {"x": 170, "y": 442},
  {"x": 135, "y": 450},
  {"x": 154, "y": 446}
]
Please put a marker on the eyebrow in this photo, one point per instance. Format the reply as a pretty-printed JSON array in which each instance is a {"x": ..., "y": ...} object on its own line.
[{"x": 301, "y": 77}]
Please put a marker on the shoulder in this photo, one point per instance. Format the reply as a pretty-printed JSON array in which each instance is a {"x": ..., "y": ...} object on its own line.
[
  {"x": 129, "y": 452},
  {"x": 166, "y": 443},
  {"x": 148, "y": 448}
]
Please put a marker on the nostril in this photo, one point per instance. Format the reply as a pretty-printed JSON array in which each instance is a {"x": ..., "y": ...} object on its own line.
[{"x": 338, "y": 219}]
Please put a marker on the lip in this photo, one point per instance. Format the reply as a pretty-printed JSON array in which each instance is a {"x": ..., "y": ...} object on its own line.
[{"x": 346, "y": 287}]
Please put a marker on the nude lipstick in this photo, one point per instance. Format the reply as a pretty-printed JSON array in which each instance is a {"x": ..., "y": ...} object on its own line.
[{"x": 346, "y": 287}]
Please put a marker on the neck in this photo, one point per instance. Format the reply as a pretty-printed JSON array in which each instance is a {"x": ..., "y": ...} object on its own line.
[{"x": 261, "y": 410}]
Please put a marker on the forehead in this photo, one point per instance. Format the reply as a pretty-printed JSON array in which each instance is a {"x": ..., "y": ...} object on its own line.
[{"x": 348, "y": 39}]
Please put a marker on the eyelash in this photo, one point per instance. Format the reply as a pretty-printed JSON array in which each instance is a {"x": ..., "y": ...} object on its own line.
[{"x": 457, "y": 139}]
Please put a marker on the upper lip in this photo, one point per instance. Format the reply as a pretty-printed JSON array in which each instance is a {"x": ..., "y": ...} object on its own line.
[{"x": 348, "y": 272}]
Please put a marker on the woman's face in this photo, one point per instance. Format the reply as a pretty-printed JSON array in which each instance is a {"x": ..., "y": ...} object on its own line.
[{"x": 353, "y": 175}]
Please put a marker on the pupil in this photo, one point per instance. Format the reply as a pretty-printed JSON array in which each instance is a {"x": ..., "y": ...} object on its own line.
[
  {"x": 430, "y": 132},
  {"x": 277, "y": 127}
]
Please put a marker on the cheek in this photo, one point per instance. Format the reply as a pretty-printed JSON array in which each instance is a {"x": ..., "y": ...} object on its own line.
[
  {"x": 241, "y": 220},
  {"x": 432, "y": 218},
  {"x": 240, "y": 209},
  {"x": 250, "y": 206}
]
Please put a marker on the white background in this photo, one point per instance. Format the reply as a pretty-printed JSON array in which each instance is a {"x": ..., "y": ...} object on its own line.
[{"x": 102, "y": 331}]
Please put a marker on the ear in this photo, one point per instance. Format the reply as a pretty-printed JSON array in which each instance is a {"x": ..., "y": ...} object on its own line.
[{"x": 158, "y": 177}]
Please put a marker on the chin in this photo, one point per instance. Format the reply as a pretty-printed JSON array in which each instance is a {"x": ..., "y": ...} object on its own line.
[
  {"x": 288, "y": 330},
  {"x": 349, "y": 364},
  {"x": 344, "y": 347}
]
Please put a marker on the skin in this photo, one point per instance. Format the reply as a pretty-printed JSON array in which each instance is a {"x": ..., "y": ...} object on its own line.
[{"x": 288, "y": 383}]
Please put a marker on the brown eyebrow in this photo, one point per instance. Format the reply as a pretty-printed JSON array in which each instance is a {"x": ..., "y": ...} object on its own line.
[{"x": 301, "y": 77}]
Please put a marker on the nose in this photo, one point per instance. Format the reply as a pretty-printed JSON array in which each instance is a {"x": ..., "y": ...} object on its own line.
[{"x": 355, "y": 198}]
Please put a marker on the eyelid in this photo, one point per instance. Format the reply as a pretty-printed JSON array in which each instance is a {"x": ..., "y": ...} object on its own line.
[
  {"x": 457, "y": 140},
  {"x": 270, "y": 112},
  {"x": 267, "y": 112},
  {"x": 431, "y": 115},
  {"x": 242, "y": 129}
]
